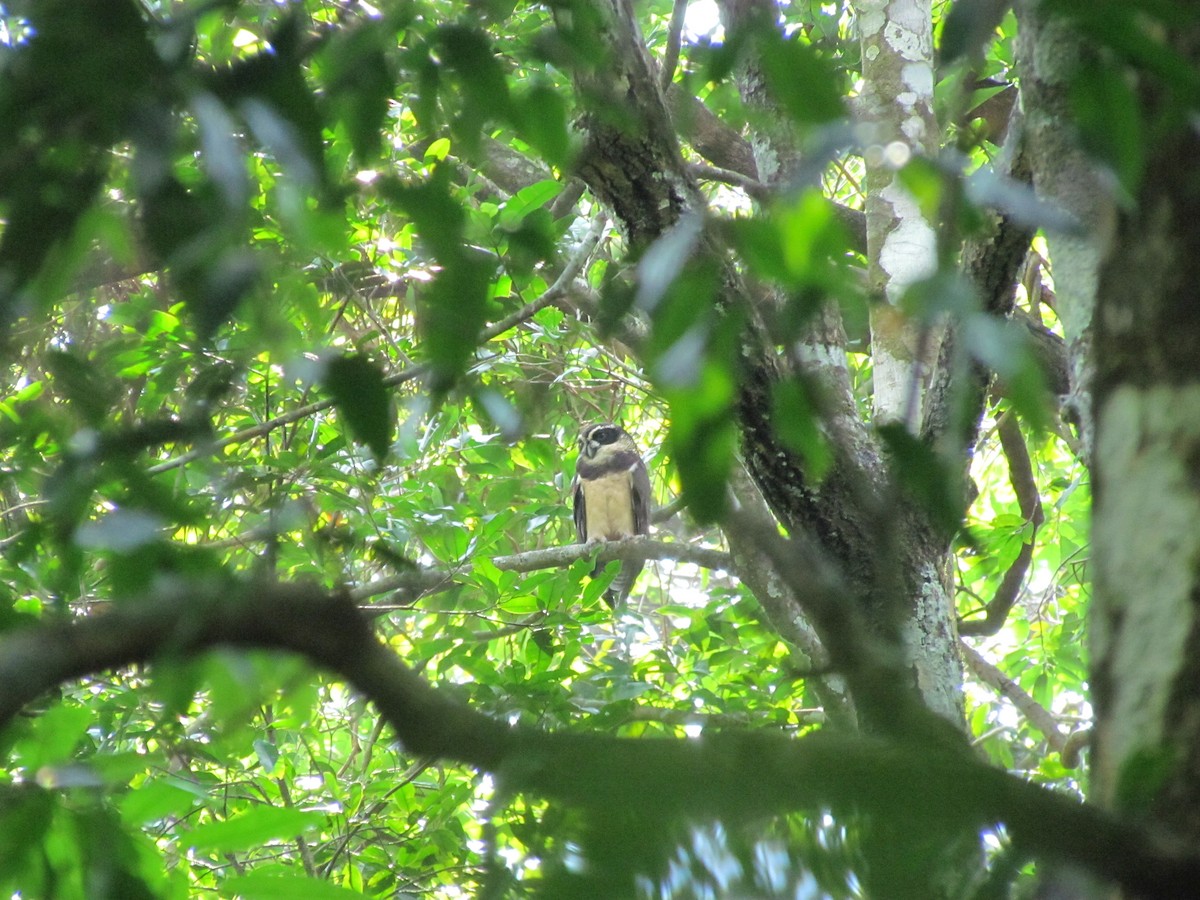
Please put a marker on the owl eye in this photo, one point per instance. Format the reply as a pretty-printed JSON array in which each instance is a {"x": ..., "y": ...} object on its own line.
[{"x": 606, "y": 435}]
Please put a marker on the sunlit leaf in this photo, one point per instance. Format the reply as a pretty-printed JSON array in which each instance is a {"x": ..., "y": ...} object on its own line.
[
  {"x": 156, "y": 800},
  {"x": 528, "y": 199},
  {"x": 58, "y": 732}
]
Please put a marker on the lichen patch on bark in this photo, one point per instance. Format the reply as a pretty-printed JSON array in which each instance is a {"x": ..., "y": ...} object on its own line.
[{"x": 1147, "y": 545}]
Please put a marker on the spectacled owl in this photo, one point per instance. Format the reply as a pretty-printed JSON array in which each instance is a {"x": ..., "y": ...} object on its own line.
[{"x": 611, "y": 495}]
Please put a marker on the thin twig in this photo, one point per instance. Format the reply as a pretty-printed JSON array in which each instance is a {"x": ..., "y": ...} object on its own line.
[{"x": 1020, "y": 473}]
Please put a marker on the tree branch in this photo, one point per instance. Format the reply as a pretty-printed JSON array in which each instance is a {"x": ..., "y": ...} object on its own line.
[
  {"x": 631, "y": 548},
  {"x": 728, "y": 774},
  {"x": 1036, "y": 714},
  {"x": 674, "y": 39},
  {"x": 780, "y": 607},
  {"x": 421, "y": 581}
]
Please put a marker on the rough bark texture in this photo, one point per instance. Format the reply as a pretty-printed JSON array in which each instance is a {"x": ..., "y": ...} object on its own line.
[
  {"x": 631, "y": 159},
  {"x": 1146, "y": 610}
]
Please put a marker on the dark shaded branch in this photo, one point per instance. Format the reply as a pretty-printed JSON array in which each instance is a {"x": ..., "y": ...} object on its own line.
[
  {"x": 873, "y": 667},
  {"x": 708, "y": 135},
  {"x": 957, "y": 394},
  {"x": 738, "y": 774},
  {"x": 780, "y": 607},
  {"x": 1050, "y": 352},
  {"x": 1020, "y": 473}
]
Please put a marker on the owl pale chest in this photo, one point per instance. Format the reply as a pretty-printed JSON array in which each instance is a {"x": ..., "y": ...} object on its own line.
[{"x": 608, "y": 507}]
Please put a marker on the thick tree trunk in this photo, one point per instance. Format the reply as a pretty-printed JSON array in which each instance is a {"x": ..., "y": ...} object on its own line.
[{"x": 1146, "y": 537}]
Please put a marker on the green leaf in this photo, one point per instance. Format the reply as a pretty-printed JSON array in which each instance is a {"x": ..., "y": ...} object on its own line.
[
  {"x": 251, "y": 829},
  {"x": 363, "y": 401},
  {"x": 1004, "y": 347},
  {"x": 437, "y": 150},
  {"x": 438, "y": 217},
  {"x": 270, "y": 91},
  {"x": 360, "y": 80},
  {"x": 83, "y": 383},
  {"x": 702, "y": 443},
  {"x": 223, "y": 158},
  {"x": 526, "y": 200},
  {"x": 665, "y": 259},
  {"x": 268, "y": 755},
  {"x": 452, "y": 312},
  {"x": 105, "y": 73},
  {"x": 469, "y": 53},
  {"x": 56, "y": 735},
  {"x": 541, "y": 116},
  {"x": 804, "y": 84},
  {"x": 1142, "y": 776},
  {"x": 25, "y": 817}
]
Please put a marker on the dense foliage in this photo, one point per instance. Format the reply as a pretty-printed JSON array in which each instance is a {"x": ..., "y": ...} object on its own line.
[{"x": 308, "y": 293}]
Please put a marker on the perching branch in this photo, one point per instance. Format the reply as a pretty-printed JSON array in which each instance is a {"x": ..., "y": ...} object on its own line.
[
  {"x": 419, "y": 581},
  {"x": 742, "y": 773},
  {"x": 632, "y": 548}
]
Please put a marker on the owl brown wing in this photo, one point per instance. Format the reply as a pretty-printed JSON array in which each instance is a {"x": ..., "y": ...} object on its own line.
[
  {"x": 639, "y": 496},
  {"x": 640, "y": 485},
  {"x": 580, "y": 510}
]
